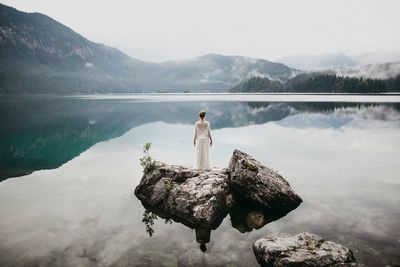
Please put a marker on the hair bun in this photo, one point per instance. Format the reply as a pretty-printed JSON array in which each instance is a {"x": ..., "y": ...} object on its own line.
[{"x": 202, "y": 113}]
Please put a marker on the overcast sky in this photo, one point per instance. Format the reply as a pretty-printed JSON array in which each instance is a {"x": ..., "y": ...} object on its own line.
[{"x": 157, "y": 30}]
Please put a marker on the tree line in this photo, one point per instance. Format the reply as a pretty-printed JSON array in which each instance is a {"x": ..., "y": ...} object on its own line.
[{"x": 319, "y": 83}]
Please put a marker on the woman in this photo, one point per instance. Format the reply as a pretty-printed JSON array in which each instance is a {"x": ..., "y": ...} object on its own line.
[{"x": 202, "y": 142}]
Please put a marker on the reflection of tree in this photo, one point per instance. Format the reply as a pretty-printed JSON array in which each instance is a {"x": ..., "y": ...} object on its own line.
[
  {"x": 148, "y": 219},
  {"x": 203, "y": 233}
]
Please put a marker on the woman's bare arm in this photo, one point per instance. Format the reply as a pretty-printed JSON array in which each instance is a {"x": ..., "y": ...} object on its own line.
[
  {"x": 195, "y": 134},
  {"x": 209, "y": 133}
]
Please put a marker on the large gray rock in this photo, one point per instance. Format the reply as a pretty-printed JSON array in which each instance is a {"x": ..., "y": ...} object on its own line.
[
  {"x": 193, "y": 197},
  {"x": 251, "y": 180},
  {"x": 201, "y": 199},
  {"x": 303, "y": 249}
]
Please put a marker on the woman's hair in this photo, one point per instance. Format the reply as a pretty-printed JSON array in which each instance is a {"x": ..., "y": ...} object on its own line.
[{"x": 202, "y": 114}]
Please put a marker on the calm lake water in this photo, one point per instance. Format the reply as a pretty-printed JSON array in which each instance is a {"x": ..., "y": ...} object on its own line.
[{"x": 77, "y": 162}]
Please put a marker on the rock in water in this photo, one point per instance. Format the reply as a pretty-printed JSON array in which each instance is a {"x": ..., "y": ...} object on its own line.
[
  {"x": 193, "y": 197},
  {"x": 203, "y": 198},
  {"x": 303, "y": 249},
  {"x": 250, "y": 179}
]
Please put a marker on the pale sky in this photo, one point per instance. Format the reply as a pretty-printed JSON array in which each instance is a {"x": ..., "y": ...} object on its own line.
[{"x": 157, "y": 30}]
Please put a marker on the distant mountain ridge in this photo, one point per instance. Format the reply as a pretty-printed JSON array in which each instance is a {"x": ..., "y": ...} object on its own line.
[
  {"x": 213, "y": 71},
  {"x": 320, "y": 62},
  {"x": 40, "y": 55}
]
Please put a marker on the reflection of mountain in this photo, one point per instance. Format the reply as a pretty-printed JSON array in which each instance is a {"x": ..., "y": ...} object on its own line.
[{"x": 45, "y": 132}]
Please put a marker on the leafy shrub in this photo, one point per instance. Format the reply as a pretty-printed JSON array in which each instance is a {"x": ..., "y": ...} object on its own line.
[{"x": 147, "y": 161}]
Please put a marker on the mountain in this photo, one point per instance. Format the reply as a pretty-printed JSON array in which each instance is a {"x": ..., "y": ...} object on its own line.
[
  {"x": 318, "y": 62},
  {"x": 40, "y": 55},
  {"x": 215, "y": 72}
]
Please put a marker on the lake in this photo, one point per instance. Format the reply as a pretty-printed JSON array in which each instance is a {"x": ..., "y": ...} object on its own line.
[{"x": 75, "y": 163}]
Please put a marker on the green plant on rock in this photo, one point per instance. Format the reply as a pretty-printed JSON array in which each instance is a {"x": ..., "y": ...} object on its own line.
[
  {"x": 147, "y": 161},
  {"x": 250, "y": 166},
  {"x": 168, "y": 185}
]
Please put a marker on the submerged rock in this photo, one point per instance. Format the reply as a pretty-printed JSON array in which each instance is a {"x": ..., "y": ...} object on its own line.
[
  {"x": 303, "y": 249},
  {"x": 252, "y": 180},
  {"x": 193, "y": 197},
  {"x": 246, "y": 215}
]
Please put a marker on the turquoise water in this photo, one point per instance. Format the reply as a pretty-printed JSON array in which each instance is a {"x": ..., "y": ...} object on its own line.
[{"x": 75, "y": 205}]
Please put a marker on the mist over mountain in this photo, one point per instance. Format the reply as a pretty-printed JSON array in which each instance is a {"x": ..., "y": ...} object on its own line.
[
  {"x": 318, "y": 62},
  {"x": 367, "y": 65},
  {"x": 213, "y": 72},
  {"x": 374, "y": 71},
  {"x": 375, "y": 58},
  {"x": 40, "y": 55}
]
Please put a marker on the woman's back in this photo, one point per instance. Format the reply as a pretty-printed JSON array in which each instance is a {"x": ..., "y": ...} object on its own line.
[
  {"x": 202, "y": 142},
  {"x": 202, "y": 129}
]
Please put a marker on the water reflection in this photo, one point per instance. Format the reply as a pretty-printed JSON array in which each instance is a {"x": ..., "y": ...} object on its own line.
[
  {"x": 39, "y": 132},
  {"x": 245, "y": 216},
  {"x": 203, "y": 234},
  {"x": 83, "y": 213}
]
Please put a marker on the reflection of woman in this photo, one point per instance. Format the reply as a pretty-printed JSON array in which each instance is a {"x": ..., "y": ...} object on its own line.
[{"x": 202, "y": 142}]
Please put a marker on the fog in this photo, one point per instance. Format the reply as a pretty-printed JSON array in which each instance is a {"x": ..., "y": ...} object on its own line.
[
  {"x": 159, "y": 30},
  {"x": 378, "y": 71}
]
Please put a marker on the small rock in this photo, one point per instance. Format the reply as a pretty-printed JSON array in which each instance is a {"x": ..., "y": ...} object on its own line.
[
  {"x": 303, "y": 249},
  {"x": 255, "y": 219}
]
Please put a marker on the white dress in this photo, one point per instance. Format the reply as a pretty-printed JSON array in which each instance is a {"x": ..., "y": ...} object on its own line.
[{"x": 202, "y": 158}]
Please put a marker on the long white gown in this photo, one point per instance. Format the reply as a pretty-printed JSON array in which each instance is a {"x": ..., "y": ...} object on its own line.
[{"x": 202, "y": 159}]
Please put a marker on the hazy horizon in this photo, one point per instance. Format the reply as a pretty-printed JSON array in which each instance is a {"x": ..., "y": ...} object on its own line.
[{"x": 159, "y": 31}]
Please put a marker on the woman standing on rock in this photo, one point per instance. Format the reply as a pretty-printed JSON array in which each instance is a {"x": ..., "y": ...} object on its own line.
[{"x": 202, "y": 142}]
